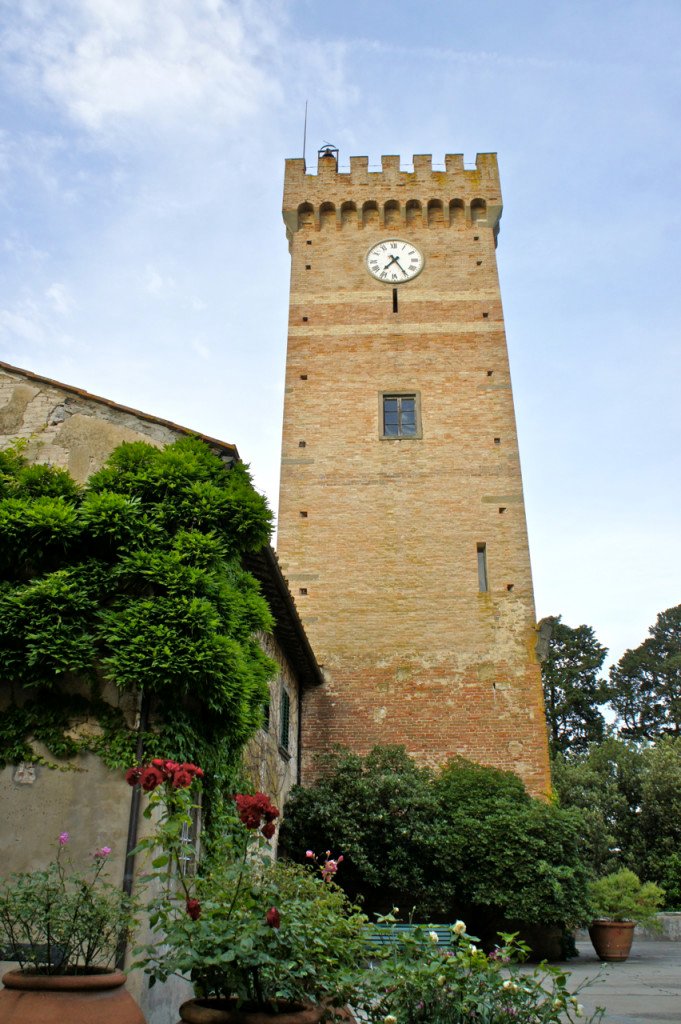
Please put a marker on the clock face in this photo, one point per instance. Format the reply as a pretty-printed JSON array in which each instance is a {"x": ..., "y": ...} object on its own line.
[{"x": 394, "y": 261}]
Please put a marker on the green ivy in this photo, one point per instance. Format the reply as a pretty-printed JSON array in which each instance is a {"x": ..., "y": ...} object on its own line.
[{"x": 136, "y": 580}]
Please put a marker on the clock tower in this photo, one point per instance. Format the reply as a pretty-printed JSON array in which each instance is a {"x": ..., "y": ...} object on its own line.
[{"x": 401, "y": 518}]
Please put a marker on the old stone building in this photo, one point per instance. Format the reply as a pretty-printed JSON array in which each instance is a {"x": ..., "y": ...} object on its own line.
[
  {"x": 401, "y": 520},
  {"x": 77, "y": 431}
]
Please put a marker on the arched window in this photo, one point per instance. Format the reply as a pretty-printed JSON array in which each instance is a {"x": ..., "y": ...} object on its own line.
[
  {"x": 456, "y": 212},
  {"x": 370, "y": 214},
  {"x": 327, "y": 215},
  {"x": 392, "y": 213},
  {"x": 349, "y": 213},
  {"x": 478, "y": 209},
  {"x": 414, "y": 215},
  {"x": 305, "y": 215},
  {"x": 435, "y": 212}
]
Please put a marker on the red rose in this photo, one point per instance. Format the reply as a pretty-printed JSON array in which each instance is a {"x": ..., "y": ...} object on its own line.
[
  {"x": 268, "y": 830},
  {"x": 194, "y": 909},
  {"x": 273, "y": 917},
  {"x": 150, "y": 779},
  {"x": 181, "y": 779},
  {"x": 271, "y": 813},
  {"x": 132, "y": 776}
]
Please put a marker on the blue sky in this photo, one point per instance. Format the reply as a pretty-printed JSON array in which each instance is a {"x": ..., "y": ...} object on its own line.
[{"x": 143, "y": 255}]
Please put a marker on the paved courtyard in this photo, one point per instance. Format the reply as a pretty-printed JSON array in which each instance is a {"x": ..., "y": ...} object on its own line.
[{"x": 646, "y": 987}]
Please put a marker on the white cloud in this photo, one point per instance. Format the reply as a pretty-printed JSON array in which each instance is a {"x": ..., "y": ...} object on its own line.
[
  {"x": 154, "y": 281},
  {"x": 201, "y": 350},
  {"x": 111, "y": 61},
  {"x": 60, "y": 298}
]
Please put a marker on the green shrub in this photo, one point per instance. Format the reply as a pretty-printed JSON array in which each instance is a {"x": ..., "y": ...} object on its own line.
[
  {"x": 622, "y": 896},
  {"x": 467, "y": 841}
]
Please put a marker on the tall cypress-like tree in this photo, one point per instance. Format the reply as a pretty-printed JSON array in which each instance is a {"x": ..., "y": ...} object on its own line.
[{"x": 573, "y": 690}]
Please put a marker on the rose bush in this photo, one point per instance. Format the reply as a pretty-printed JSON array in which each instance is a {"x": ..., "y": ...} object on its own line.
[{"x": 238, "y": 923}]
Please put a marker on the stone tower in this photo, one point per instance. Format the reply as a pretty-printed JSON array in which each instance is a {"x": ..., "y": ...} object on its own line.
[{"x": 401, "y": 518}]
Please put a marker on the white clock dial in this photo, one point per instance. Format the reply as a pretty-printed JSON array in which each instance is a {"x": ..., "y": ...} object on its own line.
[{"x": 394, "y": 261}]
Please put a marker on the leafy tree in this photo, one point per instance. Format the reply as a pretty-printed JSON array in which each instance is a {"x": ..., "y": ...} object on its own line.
[
  {"x": 466, "y": 841},
  {"x": 645, "y": 685},
  {"x": 604, "y": 785},
  {"x": 629, "y": 799},
  {"x": 135, "y": 580},
  {"x": 573, "y": 690}
]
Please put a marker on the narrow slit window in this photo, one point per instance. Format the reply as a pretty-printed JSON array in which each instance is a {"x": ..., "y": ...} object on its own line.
[
  {"x": 394, "y": 300},
  {"x": 285, "y": 723},
  {"x": 483, "y": 584}
]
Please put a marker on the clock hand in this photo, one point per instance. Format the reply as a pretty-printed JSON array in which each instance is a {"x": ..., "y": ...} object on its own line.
[{"x": 397, "y": 261}]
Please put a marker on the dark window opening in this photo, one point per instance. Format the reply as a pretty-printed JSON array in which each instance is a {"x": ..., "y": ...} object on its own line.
[
  {"x": 308, "y": 266},
  {"x": 304, "y": 319},
  {"x": 509, "y": 586},
  {"x": 302, "y": 444},
  {"x": 285, "y": 723},
  {"x": 303, "y": 515},
  {"x": 302, "y": 590},
  {"x": 303, "y": 376},
  {"x": 497, "y": 440},
  {"x": 485, "y": 315},
  {"x": 394, "y": 300},
  {"x": 483, "y": 584}
]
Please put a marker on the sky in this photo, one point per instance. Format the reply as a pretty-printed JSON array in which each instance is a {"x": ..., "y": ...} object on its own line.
[{"x": 143, "y": 255}]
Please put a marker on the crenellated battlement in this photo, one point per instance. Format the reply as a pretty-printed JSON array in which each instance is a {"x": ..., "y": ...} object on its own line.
[{"x": 391, "y": 197}]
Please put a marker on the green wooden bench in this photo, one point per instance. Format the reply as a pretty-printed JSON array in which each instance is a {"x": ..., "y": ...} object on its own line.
[{"x": 389, "y": 934}]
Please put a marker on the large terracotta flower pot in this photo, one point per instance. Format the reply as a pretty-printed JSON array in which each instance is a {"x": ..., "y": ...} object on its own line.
[
  {"x": 612, "y": 939},
  {"x": 101, "y": 998},
  {"x": 224, "y": 1011}
]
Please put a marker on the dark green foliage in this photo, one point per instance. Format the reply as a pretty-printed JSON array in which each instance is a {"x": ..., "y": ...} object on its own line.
[
  {"x": 136, "y": 578},
  {"x": 468, "y": 838},
  {"x": 645, "y": 685},
  {"x": 507, "y": 851},
  {"x": 629, "y": 798},
  {"x": 573, "y": 690}
]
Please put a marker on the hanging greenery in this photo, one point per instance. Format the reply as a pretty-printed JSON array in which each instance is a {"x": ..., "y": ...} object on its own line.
[{"x": 136, "y": 580}]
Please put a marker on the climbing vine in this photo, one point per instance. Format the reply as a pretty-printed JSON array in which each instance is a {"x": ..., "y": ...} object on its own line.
[{"x": 135, "y": 581}]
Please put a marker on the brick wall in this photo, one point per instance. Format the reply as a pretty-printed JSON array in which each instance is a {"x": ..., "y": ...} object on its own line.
[{"x": 378, "y": 537}]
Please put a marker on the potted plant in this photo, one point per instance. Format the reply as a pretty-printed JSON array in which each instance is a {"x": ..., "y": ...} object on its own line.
[
  {"x": 619, "y": 902},
  {"x": 64, "y": 926},
  {"x": 256, "y": 937}
]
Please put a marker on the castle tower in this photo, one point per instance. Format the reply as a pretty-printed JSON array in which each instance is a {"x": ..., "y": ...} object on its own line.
[{"x": 401, "y": 518}]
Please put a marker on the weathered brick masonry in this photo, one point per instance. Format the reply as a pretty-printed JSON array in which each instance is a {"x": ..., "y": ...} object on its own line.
[{"x": 379, "y": 537}]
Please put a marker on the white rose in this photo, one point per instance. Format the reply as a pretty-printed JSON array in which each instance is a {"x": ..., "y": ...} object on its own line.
[
  {"x": 433, "y": 937},
  {"x": 390, "y": 1019},
  {"x": 459, "y": 928}
]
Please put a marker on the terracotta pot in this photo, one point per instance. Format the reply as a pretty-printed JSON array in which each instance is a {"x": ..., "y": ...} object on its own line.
[
  {"x": 223, "y": 1011},
  {"x": 74, "y": 998},
  {"x": 612, "y": 939}
]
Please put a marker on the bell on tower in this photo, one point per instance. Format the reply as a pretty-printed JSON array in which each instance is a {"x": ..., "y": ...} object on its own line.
[{"x": 327, "y": 156}]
